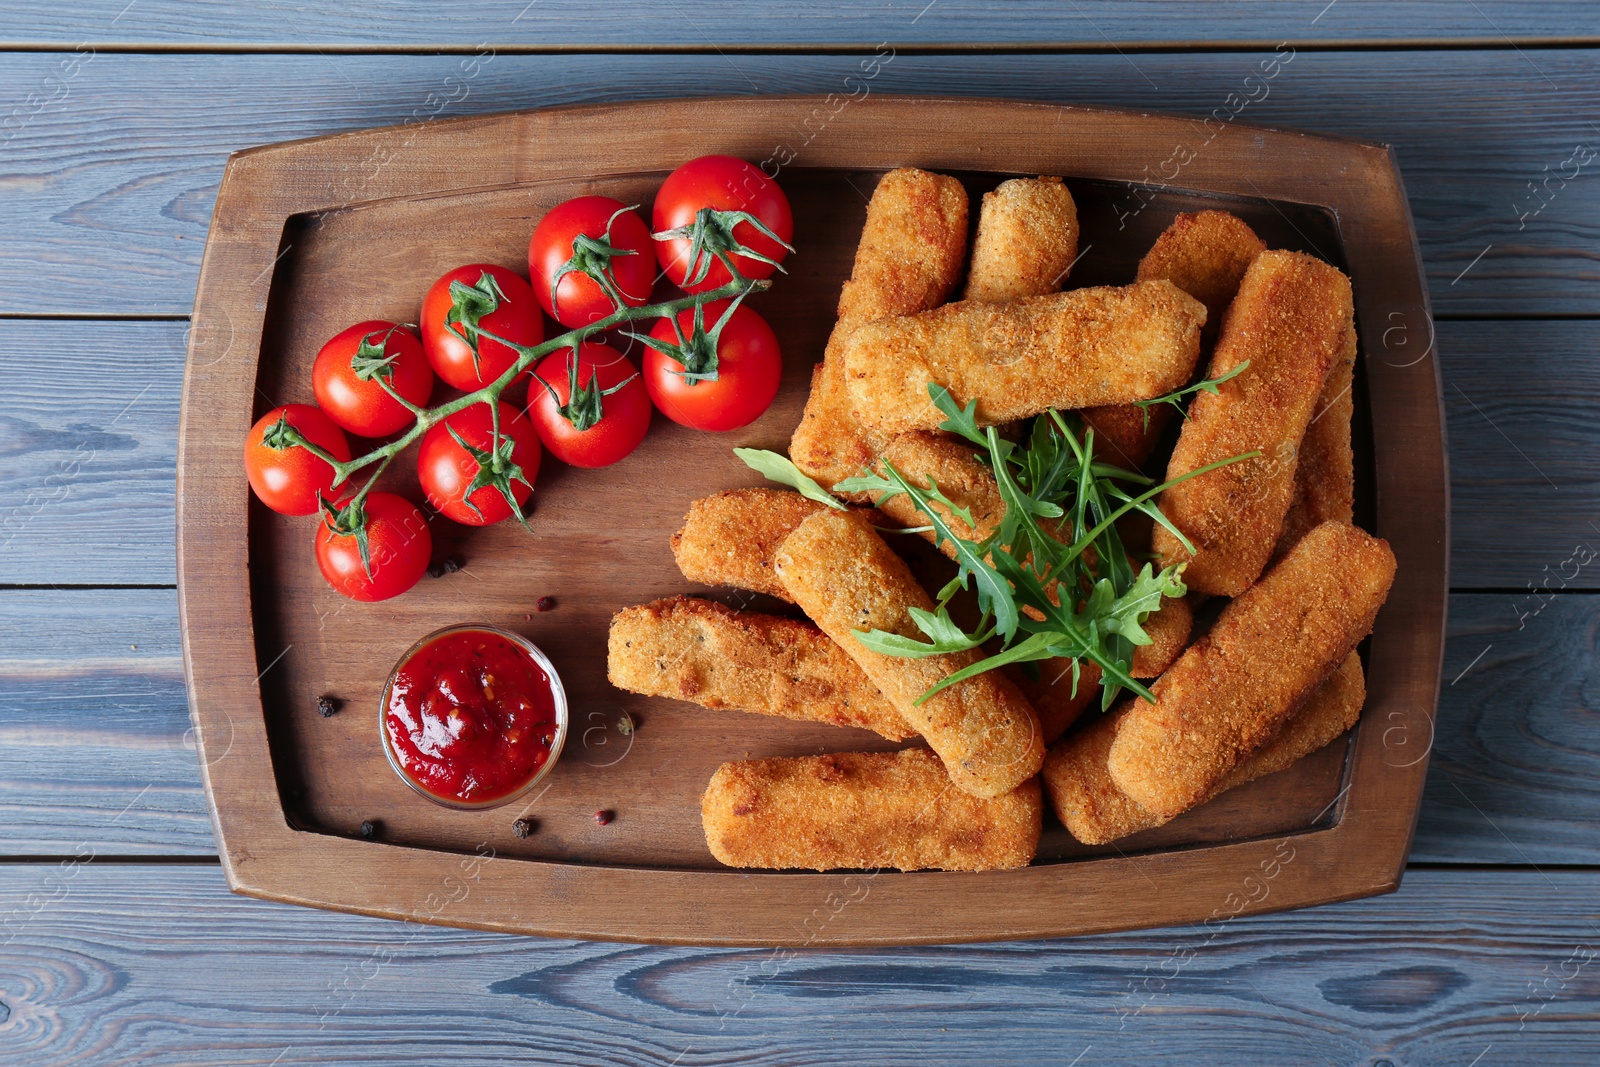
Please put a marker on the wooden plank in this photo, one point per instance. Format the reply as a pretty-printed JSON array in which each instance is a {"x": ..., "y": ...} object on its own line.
[
  {"x": 87, "y": 424},
  {"x": 88, "y": 723},
  {"x": 1509, "y": 419},
  {"x": 112, "y": 169},
  {"x": 1515, "y": 771},
  {"x": 771, "y": 23},
  {"x": 1520, "y": 399},
  {"x": 96, "y": 755},
  {"x": 161, "y": 966}
]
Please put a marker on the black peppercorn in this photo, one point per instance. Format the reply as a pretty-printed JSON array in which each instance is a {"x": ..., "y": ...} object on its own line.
[
  {"x": 327, "y": 705},
  {"x": 522, "y": 827},
  {"x": 369, "y": 829}
]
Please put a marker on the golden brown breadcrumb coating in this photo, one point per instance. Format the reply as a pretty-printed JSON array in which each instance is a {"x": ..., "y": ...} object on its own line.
[
  {"x": 1233, "y": 689},
  {"x": 1027, "y": 240},
  {"x": 1325, "y": 471},
  {"x": 909, "y": 259},
  {"x": 1057, "y": 703},
  {"x": 1291, "y": 320},
  {"x": 1168, "y": 627},
  {"x": 1205, "y": 254},
  {"x": 867, "y": 810},
  {"x": 729, "y": 538},
  {"x": 847, "y": 579},
  {"x": 706, "y": 652},
  {"x": 1096, "y": 812},
  {"x": 1068, "y": 350}
]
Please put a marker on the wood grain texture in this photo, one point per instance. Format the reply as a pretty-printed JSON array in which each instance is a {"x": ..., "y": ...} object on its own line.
[
  {"x": 89, "y": 723},
  {"x": 111, "y": 175},
  {"x": 96, "y": 752},
  {"x": 161, "y": 966},
  {"x": 1520, "y": 399},
  {"x": 771, "y": 23},
  {"x": 86, "y": 455},
  {"x": 1516, "y": 736}
]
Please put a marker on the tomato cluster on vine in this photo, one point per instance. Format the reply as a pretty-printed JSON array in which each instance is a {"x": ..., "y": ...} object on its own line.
[{"x": 722, "y": 227}]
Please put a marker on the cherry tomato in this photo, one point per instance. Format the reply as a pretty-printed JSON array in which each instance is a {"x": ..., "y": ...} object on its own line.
[
  {"x": 625, "y": 414},
  {"x": 345, "y": 377},
  {"x": 289, "y": 479},
  {"x": 746, "y": 360},
  {"x": 398, "y": 546},
  {"x": 724, "y": 184},
  {"x": 447, "y": 470},
  {"x": 579, "y": 300},
  {"x": 516, "y": 319}
]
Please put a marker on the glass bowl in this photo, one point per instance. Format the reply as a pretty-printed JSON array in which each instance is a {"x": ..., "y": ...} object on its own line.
[{"x": 558, "y": 699}]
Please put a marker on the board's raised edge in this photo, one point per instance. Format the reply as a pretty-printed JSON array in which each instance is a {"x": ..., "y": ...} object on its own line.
[{"x": 1362, "y": 855}]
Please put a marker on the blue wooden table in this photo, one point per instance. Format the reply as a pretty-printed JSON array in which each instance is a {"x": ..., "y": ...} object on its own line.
[{"x": 119, "y": 942}]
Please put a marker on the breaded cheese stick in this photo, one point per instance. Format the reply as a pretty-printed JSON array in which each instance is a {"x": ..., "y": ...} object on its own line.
[
  {"x": 909, "y": 259},
  {"x": 1235, "y": 687},
  {"x": 1105, "y": 345},
  {"x": 706, "y": 652},
  {"x": 1092, "y": 808},
  {"x": 846, "y": 578},
  {"x": 1027, "y": 240},
  {"x": 1052, "y": 696},
  {"x": 1205, "y": 254},
  {"x": 1291, "y": 320},
  {"x": 867, "y": 810},
  {"x": 729, "y": 538},
  {"x": 1325, "y": 470}
]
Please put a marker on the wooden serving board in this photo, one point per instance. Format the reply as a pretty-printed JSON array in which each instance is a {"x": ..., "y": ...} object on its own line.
[{"x": 311, "y": 236}]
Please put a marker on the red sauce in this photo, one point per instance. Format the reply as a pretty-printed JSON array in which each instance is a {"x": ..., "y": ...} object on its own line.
[{"x": 471, "y": 717}]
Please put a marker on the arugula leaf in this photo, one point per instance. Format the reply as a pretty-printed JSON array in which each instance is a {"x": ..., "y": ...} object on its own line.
[
  {"x": 1175, "y": 398},
  {"x": 994, "y": 593},
  {"x": 1054, "y": 579},
  {"x": 958, "y": 420},
  {"x": 945, "y": 637},
  {"x": 777, "y": 468}
]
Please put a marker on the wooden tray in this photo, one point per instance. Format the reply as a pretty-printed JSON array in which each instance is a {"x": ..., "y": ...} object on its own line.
[{"x": 312, "y": 235}]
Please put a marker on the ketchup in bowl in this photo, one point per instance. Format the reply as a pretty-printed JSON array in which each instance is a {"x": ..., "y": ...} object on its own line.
[{"x": 473, "y": 716}]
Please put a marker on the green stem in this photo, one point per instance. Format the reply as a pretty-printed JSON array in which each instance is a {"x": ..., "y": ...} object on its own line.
[{"x": 526, "y": 357}]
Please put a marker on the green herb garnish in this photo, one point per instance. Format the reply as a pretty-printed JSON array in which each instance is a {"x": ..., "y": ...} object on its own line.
[
  {"x": 1053, "y": 579},
  {"x": 1175, "y": 398},
  {"x": 779, "y": 469}
]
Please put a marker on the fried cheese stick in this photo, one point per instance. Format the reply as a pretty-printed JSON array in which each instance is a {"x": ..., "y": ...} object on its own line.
[
  {"x": 846, "y": 579},
  {"x": 729, "y": 538},
  {"x": 1291, "y": 320},
  {"x": 1324, "y": 472},
  {"x": 1232, "y": 690},
  {"x": 909, "y": 259},
  {"x": 867, "y": 810},
  {"x": 1027, "y": 240},
  {"x": 1079, "y": 349},
  {"x": 1205, "y": 254},
  {"x": 705, "y": 652},
  {"x": 1096, "y": 812}
]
